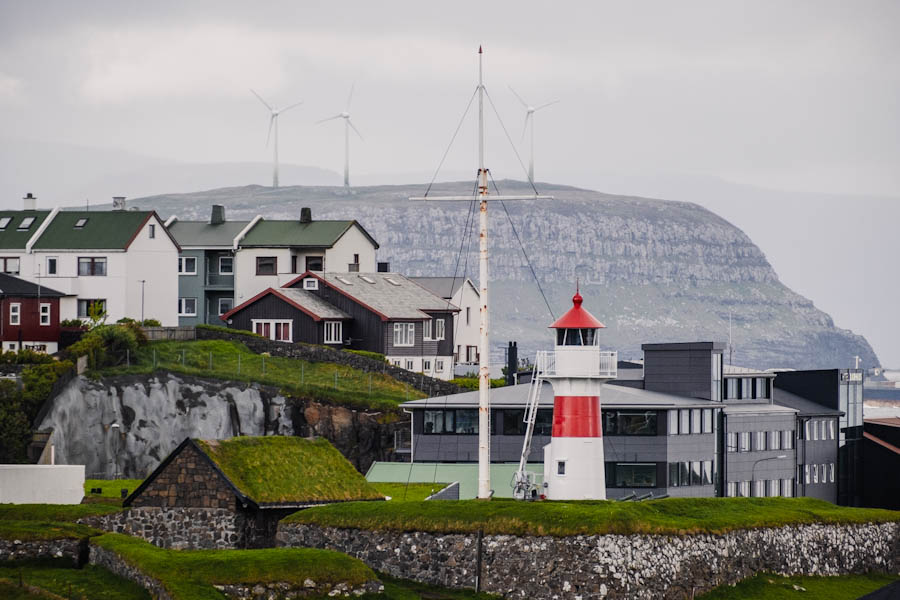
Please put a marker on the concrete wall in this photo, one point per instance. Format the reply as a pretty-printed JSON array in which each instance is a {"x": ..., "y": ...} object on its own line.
[{"x": 41, "y": 484}]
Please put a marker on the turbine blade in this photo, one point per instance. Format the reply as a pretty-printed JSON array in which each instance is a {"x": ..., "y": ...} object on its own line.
[
  {"x": 353, "y": 127},
  {"x": 350, "y": 97},
  {"x": 338, "y": 116},
  {"x": 269, "y": 134},
  {"x": 524, "y": 104},
  {"x": 266, "y": 104},
  {"x": 546, "y": 105},
  {"x": 290, "y": 107}
]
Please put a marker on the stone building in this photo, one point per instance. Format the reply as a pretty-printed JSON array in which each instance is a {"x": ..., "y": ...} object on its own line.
[{"x": 232, "y": 493}]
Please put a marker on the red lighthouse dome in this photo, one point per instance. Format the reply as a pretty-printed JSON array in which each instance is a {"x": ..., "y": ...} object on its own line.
[{"x": 577, "y": 317}]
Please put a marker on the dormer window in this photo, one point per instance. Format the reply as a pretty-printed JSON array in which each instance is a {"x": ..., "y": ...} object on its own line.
[
  {"x": 26, "y": 223},
  {"x": 4, "y": 223},
  {"x": 80, "y": 223},
  {"x": 310, "y": 283}
]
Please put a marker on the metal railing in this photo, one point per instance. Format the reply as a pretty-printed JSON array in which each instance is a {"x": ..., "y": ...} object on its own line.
[
  {"x": 599, "y": 363},
  {"x": 219, "y": 280}
]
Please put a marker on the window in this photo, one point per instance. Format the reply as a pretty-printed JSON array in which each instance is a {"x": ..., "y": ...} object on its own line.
[
  {"x": 674, "y": 480},
  {"x": 744, "y": 489},
  {"x": 4, "y": 222},
  {"x": 775, "y": 441},
  {"x": 225, "y": 305},
  {"x": 774, "y": 488},
  {"x": 732, "y": 442},
  {"x": 635, "y": 475},
  {"x": 426, "y": 366},
  {"x": 152, "y": 231},
  {"x": 391, "y": 281},
  {"x": 831, "y": 429},
  {"x": 396, "y": 362},
  {"x": 451, "y": 421},
  {"x": 732, "y": 489},
  {"x": 438, "y": 421},
  {"x": 187, "y": 307},
  {"x": 45, "y": 314},
  {"x": 684, "y": 421},
  {"x": 315, "y": 263},
  {"x": 787, "y": 439},
  {"x": 333, "y": 332},
  {"x": 426, "y": 330},
  {"x": 266, "y": 265},
  {"x": 310, "y": 283},
  {"x": 707, "y": 420},
  {"x": 92, "y": 266},
  {"x": 707, "y": 472},
  {"x": 15, "y": 313},
  {"x": 51, "y": 265},
  {"x": 716, "y": 392},
  {"x": 761, "y": 441},
  {"x": 560, "y": 467},
  {"x": 684, "y": 473},
  {"x": 187, "y": 265},
  {"x": 10, "y": 265},
  {"x": 673, "y": 422},
  {"x": 468, "y": 311},
  {"x": 746, "y": 388},
  {"x": 824, "y": 430},
  {"x": 625, "y": 422},
  {"x": 762, "y": 389},
  {"x": 805, "y": 430},
  {"x": 80, "y": 223},
  {"x": 695, "y": 473},
  {"x": 439, "y": 366},
  {"x": 806, "y": 473},
  {"x": 732, "y": 388},
  {"x": 26, "y": 223},
  {"x": 696, "y": 415},
  {"x": 409, "y": 365},
  {"x": 814, "y": 426},
  {"x": 404, "y": 334},
  {"x": 831, "y": 472},
  {"x": 84, "y": 306},
  {"x": 439, "y": 329},
  {"x": 279, "y": 331},
  {"x": 226, "y": 265},
  {"x": 815, "y": 472},
  {"x": 787, "y": 487},
  {"x": 760, "y": 488},
  {"x": 745, "y": 441}
]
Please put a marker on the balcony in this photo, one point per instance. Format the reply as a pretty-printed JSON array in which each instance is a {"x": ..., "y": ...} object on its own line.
[
  {"x": 577, "y": 361},
  {"x": 219, "y": 281}
]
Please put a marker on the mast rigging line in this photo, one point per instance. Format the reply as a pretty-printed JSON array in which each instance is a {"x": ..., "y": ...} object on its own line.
[
  {"x": 452, "y": 139},
  {"x": 511, "y": 144}
]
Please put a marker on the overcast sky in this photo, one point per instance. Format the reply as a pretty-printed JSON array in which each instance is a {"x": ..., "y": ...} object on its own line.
[{"x": 799, "y": 96}]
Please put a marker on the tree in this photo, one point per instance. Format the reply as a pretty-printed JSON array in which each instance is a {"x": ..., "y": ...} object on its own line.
[{"x": 14, "y": 429}]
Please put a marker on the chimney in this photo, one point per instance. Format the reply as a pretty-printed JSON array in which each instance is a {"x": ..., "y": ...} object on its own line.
[
  {"x": 218, "y": 215},
  {"x": 118, "y": 202},
  {"x": 305, "y": 215},
  {"x": 512, "y": 363},
  {"x": 30, "y": 202},
  {"x": 384, "y": 267}
]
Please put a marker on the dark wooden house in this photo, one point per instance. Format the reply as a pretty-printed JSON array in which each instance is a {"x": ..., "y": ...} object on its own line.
[
  {"x": 385, "y": 313},
  {"x": 30, "y": 315}
]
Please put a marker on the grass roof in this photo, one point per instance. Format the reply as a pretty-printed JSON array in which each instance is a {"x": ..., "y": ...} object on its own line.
[{"x": 289, "y": 470}]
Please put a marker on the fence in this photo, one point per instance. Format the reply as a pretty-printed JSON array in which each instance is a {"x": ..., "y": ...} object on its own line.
[{"x": 187, "y": 332}]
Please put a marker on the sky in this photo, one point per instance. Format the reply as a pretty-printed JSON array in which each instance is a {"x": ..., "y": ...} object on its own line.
[{"x": 799, "y": 97}]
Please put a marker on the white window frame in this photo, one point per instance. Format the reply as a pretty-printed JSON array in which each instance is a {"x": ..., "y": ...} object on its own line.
[
  {"x": 222, "y": 312},
  {"x": 55, "y": 261},
  {"x": 396, "y": 362},
  {"x": 230, "y": 271},
  {"x": 15, "y": 313},
  {"x": 404, "y": 334},
  {"x": 831, "y": 472},
  {"x": 806, "y": 474},
  {"x": 831, "y": 428},
  {"x": 310, "y": 283},
  {"x": 426, "y": 330},
  {"x": 182, "y": 265},
  {"x": 759, "y": 488},
  {"x": 182, "y": 307},
  {"x": 815, "y": 431},
  {"x": 410, "y": 364},
  {"x": 334, "y": 331},
  {"x": 438, "y": 366},
  {"x": 440, "y": 330},
  {"x": 426, "y": 365},
  {"x": 87, "y": 306},
  {"x": 272, "y": 326},
  {"x": 731, "y": 490},
  {"x": 561, "y": 462},
  {"x": 45, "y": 309},
  {"x": 815, "y": 472}
]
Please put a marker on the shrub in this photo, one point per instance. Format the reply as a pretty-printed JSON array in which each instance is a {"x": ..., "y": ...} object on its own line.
[
  {"x": 26, "y": 356},
  {"x": 137, "y": 330},
  {"x": 373, "y": 355},
  {"x": 220, "y": 329},
  {"x": 471, "y": 383},
  {"x": 14, "y": 429},
  {"x": 107, "y": 345},
  {"x": 151, "y": 323},
  {"x": 124, "y": 320},
  {"x": 72, "y": 323},
  {"x": 37, "y": 385},
  {"x": 89, "y": 345}
]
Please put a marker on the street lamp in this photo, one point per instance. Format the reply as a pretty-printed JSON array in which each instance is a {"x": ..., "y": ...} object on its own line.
[
  {"x": 753, "y": 470},
  {"x": 143, "y": 281},
  {"x": 115, "y": 429}
]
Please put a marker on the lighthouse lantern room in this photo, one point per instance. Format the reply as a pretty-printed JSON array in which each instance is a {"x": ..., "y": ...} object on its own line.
[{"x": 573, "y": 461}]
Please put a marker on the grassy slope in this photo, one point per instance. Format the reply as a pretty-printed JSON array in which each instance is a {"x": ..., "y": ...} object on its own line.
[
  {"x": 43, "y": 530},
  {"x": 62, "y": 578},
  {"x": 316, "y": 380},
  {"x": 112, "y": 488},
  {"x": 53, "y": 512},
  {"x": 775, "y": 587},
  {"x": 412, "y": 491},
  {"x": 191, "y": 574},
  {"x": 289, "y": 469},
  {"x": 669, "y": 516}
]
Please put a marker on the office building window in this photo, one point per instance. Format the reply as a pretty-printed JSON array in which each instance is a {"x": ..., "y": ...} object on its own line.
[
  {"x": 787, "y": 487},
  {"x": 746, "y": 387},
  {"x": 696, "y": 416},
  {"x": 266, "y": 265},
  {"x": 404, "y": 334},
  {"x": 760, "y": 488},
  {"x": 806, "y": 474},
  {"x": 84, "y": 307},
  {"x": 732, "y": 388},
  {"x": 673, "y": 422},
  {"x": 745, "y": 441},
  {"x": 787, "y": 439},
  {"x": 762, "y": 387},
  {"x": 684, "y": 474},
  {"x": 628, "y": 475},
  {"x": 684, "y": 421},
  {"x": 226, "y": 265},
  {"x": 707, "y": 472},
  {"x": 708, "y": 420},
  {"x": 716, "y": 392},
  {"x": 744, "y": 489},
  {"x": 774, "y": 440},
  {"x": 187, "y": 265},
  {"x": 45, "y": 314},
  {"x": 92, "y": 266},
  {"x": 760, "y": 441},
  {"x": 333, "y": 332},
  {"x": 831, "y": 429},
  {"x": 451, "y": 421},
  {"x": 674, "y": 480},
  {"x": 52, "y": 265},
  {"x": 831, "y": 472},
  {"x": 731, "y": 490},
  {"x": 774, "y": 488},
  {"x": 629, "y": 422},
  {"x": 187, "y": 307},
  {"x": 814, "y": 428},
  {"x": 732, "y": 441}
]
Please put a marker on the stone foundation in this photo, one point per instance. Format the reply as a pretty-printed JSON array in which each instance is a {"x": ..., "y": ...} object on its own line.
[
  {"x": 177, "y": 528},
  {"x": 19, "y": 550},
  {"x": 612, "y": 566}
]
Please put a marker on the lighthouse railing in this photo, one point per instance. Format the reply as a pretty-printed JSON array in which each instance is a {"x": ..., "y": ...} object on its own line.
[{"x": 578, "y": 362}]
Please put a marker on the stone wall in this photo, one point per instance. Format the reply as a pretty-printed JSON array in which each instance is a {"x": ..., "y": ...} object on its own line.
[
  {"x": 612, "y": 566},
  {"x": 313, "y": 353},
  {"x": 189, "y": 480},
  {"x": 61, "y": 548},
  {"x": 111, "y": 561},
  {"x": 177, "y": 528}
]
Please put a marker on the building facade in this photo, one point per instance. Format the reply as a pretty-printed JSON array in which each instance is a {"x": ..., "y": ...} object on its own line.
[
  {"x": 462, "y": 293},
  {"x": 29, "y": 315}
]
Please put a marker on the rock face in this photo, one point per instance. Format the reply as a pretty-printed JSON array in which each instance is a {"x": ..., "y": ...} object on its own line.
[
  {"x": 651, "y": 270},
  {"x": 611, "y": 566},
  {"x": 157, "y": 412}
]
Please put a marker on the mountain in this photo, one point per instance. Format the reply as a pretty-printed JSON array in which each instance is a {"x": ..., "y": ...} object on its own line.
[{"x": 651, "y": 270}]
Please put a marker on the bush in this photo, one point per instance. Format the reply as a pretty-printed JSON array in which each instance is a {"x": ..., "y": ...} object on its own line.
[
  {"x": 471, "y": 383},
  {"x": 108, "y": 345},
  {"x": 373, "y": 355},
  {"x": 151, "y": 323},
  {"x": 37, "y": 385},
  {"x": 124, "y": 320},
  {"x": 72, "y": 323},
  {"x": 220, "y": 329},
  {"x": 137, "y": 330},
  {"x": 14, "y": 429},
  {"x": 25, "y": 356},
  {"x": 89, "y": 345}
]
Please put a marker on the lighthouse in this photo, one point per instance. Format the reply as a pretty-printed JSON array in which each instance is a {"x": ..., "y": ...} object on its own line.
[{"x": 574, "y": 467}]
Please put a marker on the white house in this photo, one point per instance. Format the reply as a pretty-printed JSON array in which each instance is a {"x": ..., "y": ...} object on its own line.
[
  {"x": 125, "y": 260},
  {"x": 461, "y": 292}
]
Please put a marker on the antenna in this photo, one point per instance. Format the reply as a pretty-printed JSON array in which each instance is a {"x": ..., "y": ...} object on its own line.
[
  {"x": 484, "y": 382},
  {"x": 273, "y": 125},
  {"x": 529, "y": 120},
  {"x": 348, "y": 125}
]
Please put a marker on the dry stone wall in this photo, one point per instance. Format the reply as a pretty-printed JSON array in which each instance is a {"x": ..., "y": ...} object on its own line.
[
  {"x": 111, "y": 561},
  {"x": 612, "y": 566},
  {"x": 24, "y": 550},
  {"x": 177, "y": 528}
]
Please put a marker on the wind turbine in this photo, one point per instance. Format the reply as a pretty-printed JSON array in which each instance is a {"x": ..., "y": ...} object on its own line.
[
  {"x": 529, "y": 117},
  {"x": 348, "y": 125},
  {"x": 273, "y": 124}
]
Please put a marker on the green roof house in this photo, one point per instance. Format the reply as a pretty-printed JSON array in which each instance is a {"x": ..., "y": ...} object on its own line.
[
  {"x": 118, "y": 258},
  {"x": 248, "y": 484}
]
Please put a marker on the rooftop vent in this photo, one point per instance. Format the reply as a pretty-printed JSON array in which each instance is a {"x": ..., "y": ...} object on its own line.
[
  {"x": 118, "y": 202},
  {"x": 306, "y": 215},
  {"x": 30, "y": 202},
  {"x": 218, "y": 215}
]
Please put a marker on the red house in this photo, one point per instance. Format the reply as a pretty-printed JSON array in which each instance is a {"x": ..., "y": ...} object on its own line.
[{"x": 29, "y": 315}]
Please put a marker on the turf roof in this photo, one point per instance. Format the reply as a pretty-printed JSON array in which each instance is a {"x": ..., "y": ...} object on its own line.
[
  {"x": 316, "y": 234},
  {"x": 11, "y": 236},
  {"x": 288, "y": 470},
  {"x": 106, "y": 230}
]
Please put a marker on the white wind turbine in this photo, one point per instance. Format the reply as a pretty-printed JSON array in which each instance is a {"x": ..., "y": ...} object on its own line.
[
  {"x": 529, "y": 117},
  {"x": 348, "y": 125},
  {"x": 273, "y": 124}
]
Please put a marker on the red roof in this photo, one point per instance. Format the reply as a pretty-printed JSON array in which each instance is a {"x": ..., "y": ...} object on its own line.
[{"x": 577, "y": 317}]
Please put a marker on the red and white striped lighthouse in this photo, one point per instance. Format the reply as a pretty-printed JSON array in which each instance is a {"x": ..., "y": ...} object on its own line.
[{"x": 574, "y": 468}]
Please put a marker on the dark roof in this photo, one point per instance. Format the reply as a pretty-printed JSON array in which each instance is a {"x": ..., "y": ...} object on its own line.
[
  {"x": 685, "y": 346},
  {"x": 102, "y": 230},
  {"x": 315, "y": 234},
  {"x": 13, "y": 286},
  {"x": 11, "y": 237},
  {"x": 445, "y": 287},
  {"x": 201, "y": 233},
  {"x": 802, "y": 405},
  {"x": 311, "y": 304},
  {"x": 881, "y": 442},
  {"x": 889, "y": 421}
]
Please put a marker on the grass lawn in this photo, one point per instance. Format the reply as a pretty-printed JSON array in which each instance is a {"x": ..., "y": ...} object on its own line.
[
  {"x": 774, "y": 587},
  {"x": 668, "y": 516},
  {"x": 412, "y": 491},
  {"x": 112, "y": 488},
  {"x": 191, "y": 574},
  {"x": 227, "y": 360},
  {"x": 288, "y": 469},
  {"x": 53, "y": 512},
  {"x": 27, "y": 531},
  {"x": 60, "y": 577}
]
